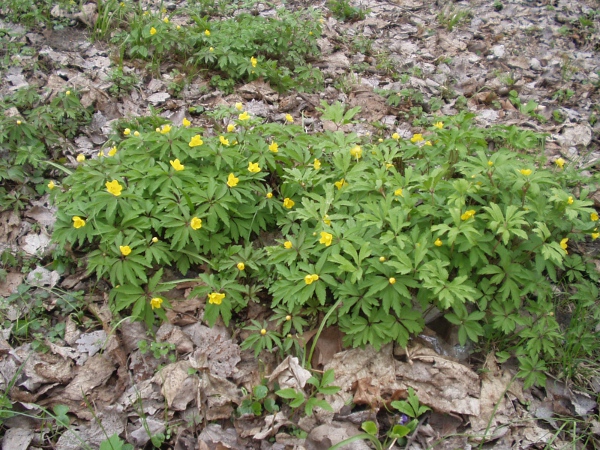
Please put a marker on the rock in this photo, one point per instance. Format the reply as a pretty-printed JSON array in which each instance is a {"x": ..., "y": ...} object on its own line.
[
  {"x": 534, "y": 64},
  {"x": 159, "y": 97},
  {"x": 498, "y": 51}
]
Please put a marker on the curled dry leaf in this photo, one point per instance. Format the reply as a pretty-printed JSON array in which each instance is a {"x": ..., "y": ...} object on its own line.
[
  {"x": 178, "y": 386},
  {"x": 290, "y": 374}
]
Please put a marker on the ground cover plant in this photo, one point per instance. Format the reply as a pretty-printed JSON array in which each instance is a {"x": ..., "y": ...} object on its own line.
[
  {"x": 281, "y": 232},
  {"x": 381, "y": 231},
  {"x": 233, "y": 49}
]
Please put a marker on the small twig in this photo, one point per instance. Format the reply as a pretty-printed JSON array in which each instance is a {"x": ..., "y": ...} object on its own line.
[{"x": 413, "y": 436}]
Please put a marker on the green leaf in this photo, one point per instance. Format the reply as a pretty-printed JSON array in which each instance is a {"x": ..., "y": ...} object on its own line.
[{"x": 370, "y": 427}]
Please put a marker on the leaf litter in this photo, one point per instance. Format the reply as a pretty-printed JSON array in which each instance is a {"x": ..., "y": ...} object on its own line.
[{"x": 89, "y": 371}]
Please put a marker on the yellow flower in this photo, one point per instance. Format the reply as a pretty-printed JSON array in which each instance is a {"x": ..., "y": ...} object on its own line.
[
  {"x": 51, "y": 185},
  {"x": 68, "y": 93},
  {"x": 206, "y": 33},
  {"x": 356, "y": 152},
  {"x": 326, "y": 220},
  {"x": 186, "y": 123},
  {"x": 232, "y": 181},
  {"x": 165, "y": 129},
  {"x": 80, "y": 158},
  {"x": 215, "y": 298},
  {"x": 593, "y": 216},
  {"x": 152, "y": 31},
  {"x": 287, "y": 244},
  {"x": 288, "y": 203},
  {"x": 560, "y": 162},
  {"x": 340, "y": 184},
  {"x": 595, "y": 236},
  {"x": 155, "y": 239},
  {"x": 490, "y": 163},
  {"x": 196, "y": 141},
  {"x": 398, "y": 192},
  {"x": 241, "y": 266},
  {"x": 136, "y": 133},
  {"x": 19, "y": 122},
  {"x": 78, "y": 222},
  {"x": 468, "y": 214},
  {"x": 166, "y": 20},
  {"x": 263, "y": 332},
  {"x": 438, "y": 242},
  {"x": 525, "y": 172},
  {"x": 112, "y": 151},
  {"x": 224, "y": 141},
  {"x": 417, "y": 138},
  {"x": 274, "y": 147},
  {"x": 395, "y": 136},
  {"x": 269, "y": 195},
  {"x": 114, "y": 187},
  {"x": 156, "y": 302},
  {"x": 388, "y": 165},
  {"x": 177, "y": 165},
  {"x": 126, "y": 131},
  {"x": 439, "y": 125},
  {"x": 239, "y": 106},
  {"x": 570, "y": 201},
  {"x": 309, "y": 279},
  {"x": 178, "y": 27},
  {"x": 289, "y": 118},
  {"x": 392, "y": 280},
  {"x": 253, "y": 61},
  {"x": 195, "y": 223},
  {"x": 382, "y": 259},
  {"x": 244, "y": 116},
  {"x": 317, "y": 164},
  {"x": 563, "y": 245},
  {"x": 230, "y": 128},
  {"x": 125, "y": 249},
  {"x": 428, "y": 143},
  {"x": 288, "y": 317},
  {"x": 253, "y": 167},
  {"x": 326, "y": 238}
]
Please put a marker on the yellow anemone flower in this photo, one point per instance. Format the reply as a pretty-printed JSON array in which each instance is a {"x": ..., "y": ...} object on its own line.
[
  {"x": 215, "y": 298},
  {"x": 177, "y": 165},
  {"x": 232, "y": 181},
  {"x": 195, "y": 223},
  {"x": 156, "y": 302},
  {"x": 326, "y": 238},
  {"x": 288, "y": 203},
  {"x": 114, "y": 187},
  {"x": 274, "y": 147},
  {"x": 196, "y": 141},
  {"x": 78, "y": 222},
  {"x": 253, "y": 167},
  {"x": 125, "y": 249}
]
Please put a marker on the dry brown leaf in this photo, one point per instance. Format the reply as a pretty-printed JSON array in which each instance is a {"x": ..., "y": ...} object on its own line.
[
  {"x": 290, "y": 374},
  {"x": 10, "y": 284},
  {"x": 367, "y": 392},
  {"x": 443, "y": 385},
  {"x": 216, "y": 351},
  {"x": 174, "y": 335},
  {"x": 178, "y": 386},
  {"x": 329, "y": 343},
  {"x": 496, "y": 411},
  {"x": 94, "y": 373},
  {"x": 216, "y": 396},
  {"x": 185, "y": 312}
]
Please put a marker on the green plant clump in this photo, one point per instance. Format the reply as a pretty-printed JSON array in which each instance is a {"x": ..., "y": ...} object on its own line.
[
  {"x": 27, "y": 140},
  {"x": 242, "y": 48},
  {"x": 377, "y": 233}
]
